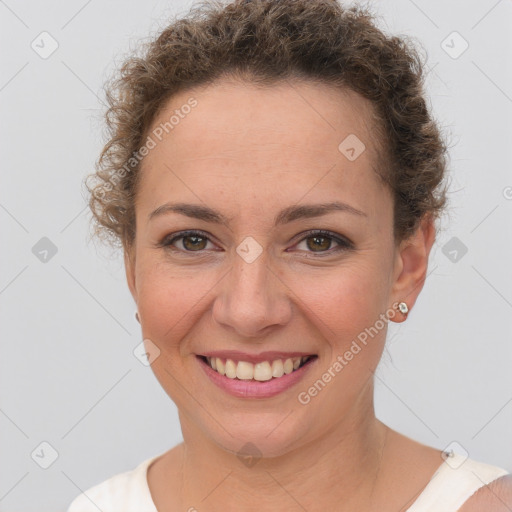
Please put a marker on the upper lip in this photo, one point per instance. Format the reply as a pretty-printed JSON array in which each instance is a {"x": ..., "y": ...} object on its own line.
[{"x": 237, "y": 355}]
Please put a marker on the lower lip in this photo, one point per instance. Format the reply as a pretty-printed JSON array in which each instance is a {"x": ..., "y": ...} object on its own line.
[{"x": 252, "y": 388}]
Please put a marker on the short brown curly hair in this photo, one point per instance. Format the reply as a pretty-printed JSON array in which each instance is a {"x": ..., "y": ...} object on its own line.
[{"x": 266, "y": 41}]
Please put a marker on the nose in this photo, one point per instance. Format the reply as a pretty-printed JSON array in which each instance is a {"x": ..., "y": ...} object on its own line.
[{"x": 252, "y": 299}]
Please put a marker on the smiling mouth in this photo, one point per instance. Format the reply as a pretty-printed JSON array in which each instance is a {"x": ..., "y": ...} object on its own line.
[{"x": 262, "y": 371}]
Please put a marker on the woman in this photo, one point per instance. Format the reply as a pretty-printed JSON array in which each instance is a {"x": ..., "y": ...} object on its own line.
[{"x": 274, "y": 178}]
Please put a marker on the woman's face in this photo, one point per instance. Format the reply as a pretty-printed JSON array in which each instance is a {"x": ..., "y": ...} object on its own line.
[{"x": 254, "y": 161}]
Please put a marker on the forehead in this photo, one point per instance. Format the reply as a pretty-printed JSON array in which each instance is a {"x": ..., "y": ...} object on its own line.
[
  {"x": 238, "y": 113},
  {"x": 291, "y": 133}
]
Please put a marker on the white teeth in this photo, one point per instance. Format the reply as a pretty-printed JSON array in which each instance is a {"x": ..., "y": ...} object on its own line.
[
  {"x": 288, "y": 366},
  {"x": 277, "y": 368},
  {"x": 230, "y": 369},
  {"x": 263, "y": 371},
  {"x": 244, "y": 370},
  {"x": 220, "y": 366}
]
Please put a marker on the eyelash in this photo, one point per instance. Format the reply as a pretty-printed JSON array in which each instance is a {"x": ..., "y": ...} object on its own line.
[{"x": 344, "y": 244}]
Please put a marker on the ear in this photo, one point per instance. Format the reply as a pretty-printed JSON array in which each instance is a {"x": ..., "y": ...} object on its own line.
[
  {"x": 411, "y": 264},
  {"x": 129, "y": 264}
]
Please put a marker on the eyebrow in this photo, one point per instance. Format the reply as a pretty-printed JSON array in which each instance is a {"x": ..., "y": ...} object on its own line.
[{"x": 289, "y": 214}]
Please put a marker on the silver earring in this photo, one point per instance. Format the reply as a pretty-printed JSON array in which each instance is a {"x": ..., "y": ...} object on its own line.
[
  {"x": 137, "y": 316},
  {"x": 403, "y": 308}
]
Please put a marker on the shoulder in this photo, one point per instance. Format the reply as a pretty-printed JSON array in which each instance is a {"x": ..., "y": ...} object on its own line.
[
  {"x": 123, "y": 491},
  {"x": 94, "y": 498},
  {"x": 496, "y": 496},
  {"x": 101, "y": 496}
]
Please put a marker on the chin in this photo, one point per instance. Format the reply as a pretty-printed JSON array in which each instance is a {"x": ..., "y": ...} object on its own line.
[{"x": 257, "y": 434}]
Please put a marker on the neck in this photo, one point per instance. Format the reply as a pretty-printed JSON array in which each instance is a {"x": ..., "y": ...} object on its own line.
[{"x": 338, "y": 471}]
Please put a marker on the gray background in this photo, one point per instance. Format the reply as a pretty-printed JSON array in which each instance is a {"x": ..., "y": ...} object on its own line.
[{"x": 68, "y": 376}]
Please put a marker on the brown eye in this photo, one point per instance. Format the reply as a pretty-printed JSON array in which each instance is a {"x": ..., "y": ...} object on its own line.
[
  {"x": 191, "y": 241},
  {"x": 319, "y": 242}
]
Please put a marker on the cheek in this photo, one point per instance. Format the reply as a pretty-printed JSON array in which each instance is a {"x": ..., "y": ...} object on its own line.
[
  {"x": 170, "y": 304},
  {"x": 343, "y": 301},
  {"x": 347, "y": 308}
]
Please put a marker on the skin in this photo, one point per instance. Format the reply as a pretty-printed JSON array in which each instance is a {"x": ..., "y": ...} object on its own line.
[
  {"x": 494, "y": 497},
  {"x": 248, "y": 152}
]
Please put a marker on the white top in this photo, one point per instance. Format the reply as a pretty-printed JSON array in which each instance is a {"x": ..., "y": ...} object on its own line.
[{"x": 456, "y": 479}]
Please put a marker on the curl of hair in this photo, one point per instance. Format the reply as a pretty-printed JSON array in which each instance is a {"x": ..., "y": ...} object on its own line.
[{"x": 267, "y": 41}]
